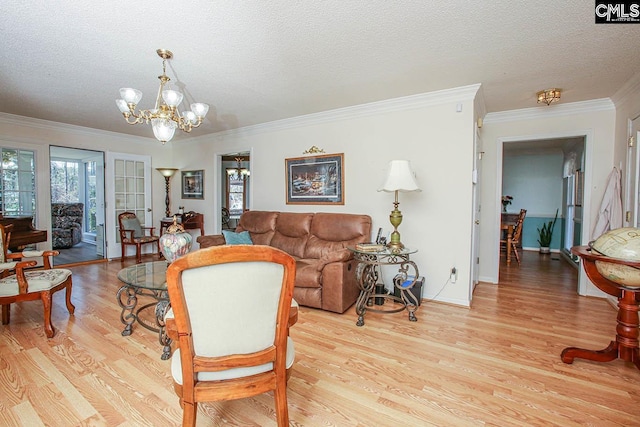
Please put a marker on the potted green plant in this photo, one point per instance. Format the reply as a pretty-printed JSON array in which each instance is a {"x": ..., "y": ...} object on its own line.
[{"x": 546, "y": 234}]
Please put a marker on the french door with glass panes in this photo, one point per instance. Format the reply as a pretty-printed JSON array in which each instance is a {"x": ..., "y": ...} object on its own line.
[{"x": 128, "y": 190}]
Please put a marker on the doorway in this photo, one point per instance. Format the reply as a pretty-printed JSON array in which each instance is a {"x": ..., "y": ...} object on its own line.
[
  {"x": 77, "y": 205},
  {"x": 542, "y": 176},
  {"x": 235, "y": 188}
]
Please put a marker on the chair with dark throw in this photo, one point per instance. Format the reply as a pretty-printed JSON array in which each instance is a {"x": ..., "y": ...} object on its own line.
[
  {"x": 21, "y": 282},
  {"x": 132, "y": 233},
  {"x": 230, "y": 308}
]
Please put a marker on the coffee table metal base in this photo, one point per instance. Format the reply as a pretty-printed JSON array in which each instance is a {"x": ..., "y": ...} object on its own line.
[{"x": 128, "y": 300}]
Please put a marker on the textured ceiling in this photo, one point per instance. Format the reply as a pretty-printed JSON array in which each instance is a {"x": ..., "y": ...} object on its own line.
[{"x": 259, "y": 61}]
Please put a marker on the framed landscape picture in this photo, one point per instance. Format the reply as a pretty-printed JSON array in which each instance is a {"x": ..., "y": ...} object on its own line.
[
  {"x": 315, "y": 180},
  {"x": 193, "y": 184}
]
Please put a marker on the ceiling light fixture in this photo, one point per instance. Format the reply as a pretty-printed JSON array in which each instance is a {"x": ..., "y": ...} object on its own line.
[
  {"x": 548, "y": 96},
  {"x": 165, "y": 117},
  {"x": 239, "y": 173}
]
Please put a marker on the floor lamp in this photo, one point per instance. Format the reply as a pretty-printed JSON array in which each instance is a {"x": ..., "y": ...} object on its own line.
[
  {"x": 167, "y": 173},
  {"x": 399, "y": 178}
]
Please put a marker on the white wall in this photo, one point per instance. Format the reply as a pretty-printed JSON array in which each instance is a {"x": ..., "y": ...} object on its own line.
[
  {"x": 428, "y": 130},
  {"x": 594, "y": 119}
]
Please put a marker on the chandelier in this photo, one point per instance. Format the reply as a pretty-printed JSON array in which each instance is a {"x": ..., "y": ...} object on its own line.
[
  {"x": 548, "y": 96},
  {"x": 165, "y": 117},
  {"x": 238, "y": 173}
]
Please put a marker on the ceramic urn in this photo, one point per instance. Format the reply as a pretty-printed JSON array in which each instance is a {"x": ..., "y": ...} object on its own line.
[{"x": 175, "y": 242}]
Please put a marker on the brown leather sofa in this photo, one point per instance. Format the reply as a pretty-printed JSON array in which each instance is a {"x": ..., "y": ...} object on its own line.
[{"x": 325, "y": 269}]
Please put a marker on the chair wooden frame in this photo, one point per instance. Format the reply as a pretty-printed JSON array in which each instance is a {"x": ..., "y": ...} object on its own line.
[
  {"x": 517, "y": 234},
  {"x": 21, "y": 270},
  {"x": 192, "y": 390},
  {"x": 127, "y": 237}
]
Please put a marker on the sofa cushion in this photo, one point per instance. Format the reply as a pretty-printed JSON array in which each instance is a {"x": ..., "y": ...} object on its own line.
[
  {"x": 292, "y": 232},
  {"x": 261, "y": 226},
  {"x": 332, "y": 232},
  {"x": 242, "y": 238}
]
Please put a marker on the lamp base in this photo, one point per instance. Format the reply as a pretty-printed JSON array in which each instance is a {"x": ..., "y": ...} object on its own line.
[{"x": 394, "y": 245}]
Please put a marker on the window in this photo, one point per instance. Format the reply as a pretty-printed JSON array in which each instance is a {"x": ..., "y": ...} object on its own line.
[
  {"x": 65, "y": 181},
  {"x": 235, "y": 193},
  {"x": 90, "y": 197},
  {"x": 18, "y": 183}
]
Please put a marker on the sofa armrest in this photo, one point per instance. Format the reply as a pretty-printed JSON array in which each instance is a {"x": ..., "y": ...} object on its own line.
[
  {"x": 341, "y": 255},
  {"x": 339, "y": 286},
  {"x": 211, "y": 240}
]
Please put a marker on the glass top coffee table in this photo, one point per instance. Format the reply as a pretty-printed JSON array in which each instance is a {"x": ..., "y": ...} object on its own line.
[{"x": 146, "y": 279}]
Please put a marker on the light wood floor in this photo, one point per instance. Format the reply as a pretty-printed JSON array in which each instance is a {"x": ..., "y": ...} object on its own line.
[{"x": 496, "y": 364}]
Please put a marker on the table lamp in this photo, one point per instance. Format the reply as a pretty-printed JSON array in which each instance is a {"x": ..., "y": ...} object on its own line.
[
  {"x": 399, "y": 178},
  {"x": 167, "y": 173}
]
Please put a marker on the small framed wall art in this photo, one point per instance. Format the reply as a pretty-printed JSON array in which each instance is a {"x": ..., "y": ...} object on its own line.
[
  {"x": 193, "y": 184},
  {"x": 315, "y": 180}
]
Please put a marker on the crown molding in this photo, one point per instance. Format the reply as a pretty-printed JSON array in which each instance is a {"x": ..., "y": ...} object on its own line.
[
  {"x": 47, "y": 125},
  {"x": 428, "y": 99},
  {"x": 631, "y": 87},
  {"x": 571, "y": 108}
]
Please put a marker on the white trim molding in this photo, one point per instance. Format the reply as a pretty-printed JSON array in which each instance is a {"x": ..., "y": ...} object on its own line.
[{"x": 603, "y": 104}]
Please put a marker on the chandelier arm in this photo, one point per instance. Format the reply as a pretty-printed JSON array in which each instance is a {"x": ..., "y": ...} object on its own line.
[
  {"x": 132, "y": 119},
  {"x": 198, "y": 123}
]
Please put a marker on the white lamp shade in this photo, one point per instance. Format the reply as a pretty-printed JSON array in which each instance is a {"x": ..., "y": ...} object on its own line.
[
  {"x": 168, "y": 172},
  {"x": 163, "y": 129},
  {"x": 399, "y": 177},
  {"x": 172, "y": 98},
  {"x": 123, "y": 106},
  {"x": 199, "y": 109},
  {"x": 190, "y": 116},
  {"x": 130, "y": 95}
]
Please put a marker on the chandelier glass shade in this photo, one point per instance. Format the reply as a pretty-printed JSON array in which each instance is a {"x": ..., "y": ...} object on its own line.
[
  {"x": 165, "y": 117},
  {"x": 548, "y": 96}
]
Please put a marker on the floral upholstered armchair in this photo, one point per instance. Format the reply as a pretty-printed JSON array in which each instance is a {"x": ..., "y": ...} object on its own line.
[{"x": 66, "y": 223}]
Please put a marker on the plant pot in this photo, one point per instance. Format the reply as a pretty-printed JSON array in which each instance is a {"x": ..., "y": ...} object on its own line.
[{"x": 544, "y": 250}]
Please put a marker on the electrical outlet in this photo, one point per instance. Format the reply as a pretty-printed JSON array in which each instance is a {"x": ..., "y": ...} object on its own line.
[{"x": 454, "y": 275}]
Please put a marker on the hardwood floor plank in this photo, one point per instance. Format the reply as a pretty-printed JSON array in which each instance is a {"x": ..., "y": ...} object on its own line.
[
  {"x": 62, "y": 384},
  {"x": 27, "y": 415}
]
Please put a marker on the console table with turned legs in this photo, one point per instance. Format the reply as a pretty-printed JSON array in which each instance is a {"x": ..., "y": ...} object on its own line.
[{"x": 625, "y": 346}]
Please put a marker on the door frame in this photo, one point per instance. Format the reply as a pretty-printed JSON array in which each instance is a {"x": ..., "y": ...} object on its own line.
[
  {"x": 221, "y": 187},
  {"x": 583, "y": 281},
  {"x": 100, "y": 187},
  {"x": 632, "y": 175}
]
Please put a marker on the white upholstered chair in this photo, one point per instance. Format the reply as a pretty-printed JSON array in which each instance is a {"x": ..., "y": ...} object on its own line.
[
  {"x": 231, "y": 307},
  {"x": 21, "y": 282}
]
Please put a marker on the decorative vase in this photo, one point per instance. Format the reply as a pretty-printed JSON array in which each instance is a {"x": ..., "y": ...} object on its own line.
[
  {"x": 544, "y": 250},
  {"x": 175, "y": 242}
]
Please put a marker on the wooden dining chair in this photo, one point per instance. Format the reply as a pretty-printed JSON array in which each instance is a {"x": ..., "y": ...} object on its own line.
[
  {"x": 231, "y": 311},
  {"x": 517, "y": 235},
  {"x": 20, "y": 281},
  {"x": 132, "y": 233}
]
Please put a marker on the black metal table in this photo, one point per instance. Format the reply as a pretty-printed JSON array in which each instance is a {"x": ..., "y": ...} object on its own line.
[
  {"x": 368, "y": 272},
  {"x": 146, "y": 279}
]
